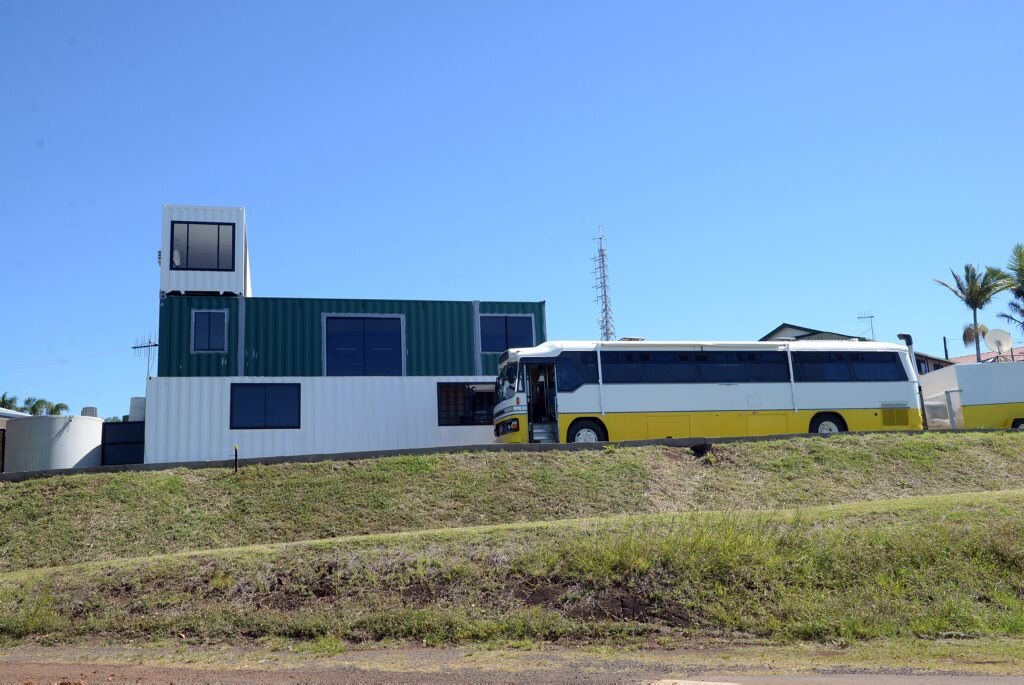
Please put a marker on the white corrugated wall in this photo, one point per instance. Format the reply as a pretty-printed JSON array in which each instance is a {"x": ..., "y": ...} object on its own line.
[
  {"x": 188, "y": 419},
  {"x": 204, "y": 281}
]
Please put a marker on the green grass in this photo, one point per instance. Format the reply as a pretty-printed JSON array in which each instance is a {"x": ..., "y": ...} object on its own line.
[
  {"x": 65, "y": 520},
  {"x": 897, "y": 569}
]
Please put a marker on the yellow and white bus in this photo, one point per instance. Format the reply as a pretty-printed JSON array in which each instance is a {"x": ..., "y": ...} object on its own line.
[{"x": 638, "y": 390}]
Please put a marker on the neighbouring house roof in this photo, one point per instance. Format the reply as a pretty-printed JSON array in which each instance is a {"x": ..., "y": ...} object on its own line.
[
  {"x": 788, "y": 330},
  {"x": 1016, "y": 355}
]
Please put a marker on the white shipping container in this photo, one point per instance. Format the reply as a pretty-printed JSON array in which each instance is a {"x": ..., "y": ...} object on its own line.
[
  {"x": 189, "y": 419},
  {"x": 236, "y": 281}
]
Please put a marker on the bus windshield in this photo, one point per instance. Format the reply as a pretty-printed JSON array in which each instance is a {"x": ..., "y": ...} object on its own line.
[{"x": 506, "y": 385}]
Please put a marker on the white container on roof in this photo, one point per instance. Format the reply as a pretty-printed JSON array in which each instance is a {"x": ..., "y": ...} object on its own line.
[{"x": 204, "y": 250}]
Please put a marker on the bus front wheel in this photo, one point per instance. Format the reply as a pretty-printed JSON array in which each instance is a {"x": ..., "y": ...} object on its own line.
[
  {"x": 1018, "y": 424},
  {"x": 586, "y": 430},
  {"x": 826, "y": 424}
]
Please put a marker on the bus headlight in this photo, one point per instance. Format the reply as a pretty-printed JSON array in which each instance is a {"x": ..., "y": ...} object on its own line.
[{"x": 505, "y": 427}]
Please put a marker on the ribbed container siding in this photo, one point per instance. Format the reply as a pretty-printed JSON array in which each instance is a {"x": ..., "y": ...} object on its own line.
[
  {"x": 204, "y": 281},
  {"x": 188, "y": 419},
  {"x": 284, "y": 336},
  {"x": 175, "y": 357}
]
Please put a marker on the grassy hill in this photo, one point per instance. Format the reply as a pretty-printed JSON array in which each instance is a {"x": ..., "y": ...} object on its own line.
[
  {"x": 846, "y": 538},
  {"x": 924, "y": 567},
  {"x": 64, "y": 520}
]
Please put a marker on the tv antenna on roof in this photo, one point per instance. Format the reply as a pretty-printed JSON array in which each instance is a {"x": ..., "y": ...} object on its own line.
[
  {"x": 871, "y": 320},
  {"x": 146, "y": 346},
  {"x": 1000, "y": 342}
]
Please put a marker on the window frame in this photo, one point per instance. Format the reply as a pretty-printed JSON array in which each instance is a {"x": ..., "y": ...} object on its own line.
[
  {"x": 480, "y": 329},
  {"x": 464, "y": 385},
  {"x": 354, "y": 315},
  {"x": 231, "y": 405},
  {"x": 187, "y": 224},
  {"x": 192, "y": 331}
]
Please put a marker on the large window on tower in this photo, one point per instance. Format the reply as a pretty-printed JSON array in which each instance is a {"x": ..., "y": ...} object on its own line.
[
  {"x": 200, "y": 246},
  {"x": 363, "y": 346}
]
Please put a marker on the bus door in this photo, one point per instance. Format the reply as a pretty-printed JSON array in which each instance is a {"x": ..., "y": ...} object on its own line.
[{"x": 543, "y": 415}]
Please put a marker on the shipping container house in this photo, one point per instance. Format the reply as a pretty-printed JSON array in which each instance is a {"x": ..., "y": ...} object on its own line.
[{"x": 295, "y": 376}]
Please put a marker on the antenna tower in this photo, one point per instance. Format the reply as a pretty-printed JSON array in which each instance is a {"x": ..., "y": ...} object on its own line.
[
  {"x": 606, "y": 322},
  {"x": 146, "y": 346}
]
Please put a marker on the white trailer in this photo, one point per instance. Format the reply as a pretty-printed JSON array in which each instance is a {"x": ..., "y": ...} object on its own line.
[{"x": 989, "y": 395}]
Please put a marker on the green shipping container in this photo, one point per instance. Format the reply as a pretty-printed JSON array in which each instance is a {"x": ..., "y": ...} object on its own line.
[{"x": 286, "y": 336}]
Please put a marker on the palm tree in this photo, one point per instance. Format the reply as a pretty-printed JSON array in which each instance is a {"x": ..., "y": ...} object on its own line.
[
  {"x": 8, "y": 401},
  {"x": 976, "y": 291},
  {"x": 55, "y": 409},
  {"x": 1015, "y": 281},
  {"x": 35, "y": 406},
  {"x": 971, "y": 334}
]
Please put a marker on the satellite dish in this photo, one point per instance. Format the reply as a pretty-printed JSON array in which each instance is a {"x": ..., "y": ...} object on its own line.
[{"x": 998, "y": 341}]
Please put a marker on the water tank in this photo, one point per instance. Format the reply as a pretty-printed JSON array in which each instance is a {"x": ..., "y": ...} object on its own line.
[
  {"x": 137, "y": 409},
  {"x": 40, "y": 443}
]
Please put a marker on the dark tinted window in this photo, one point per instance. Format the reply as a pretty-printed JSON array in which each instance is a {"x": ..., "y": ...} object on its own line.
[
  {"x": 265, "y": 405},
  {"x": 879, "y": 366},
  {"x": 820, "y": 367},
  {"x": 767, "y": 367},
  {"x": 383, "y": 347},
  {"x": 520, "y": 331},
  {"x": 460, "y": 404},
  {"x": 573, "y": 369},
  {"x": 669, "y": 367},
  {"x": 358, "y": 346},
  {"x": 567, "y": 375},
  {"x": 209, "y": 331},
  {"x": 500, "y": 333},
  {"x": 200, "y": 246},
  {"x": 824, "y": 367},
  {"x": 621, "y": 367},
  {"x": 720, "y": 367}
]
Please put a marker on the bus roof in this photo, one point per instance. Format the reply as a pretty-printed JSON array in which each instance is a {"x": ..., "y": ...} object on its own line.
[{"x": 554, "y": 347}]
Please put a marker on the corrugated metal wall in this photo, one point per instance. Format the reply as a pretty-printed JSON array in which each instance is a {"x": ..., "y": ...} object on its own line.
[
  {"x": 204, "y": 281},
  {"x": 284, "y": 336},
  {"x": 188, "y": 419},
  {"x": 175, "y": 356}
]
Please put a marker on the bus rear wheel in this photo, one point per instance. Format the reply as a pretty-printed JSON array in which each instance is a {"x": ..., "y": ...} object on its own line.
[
  {"x": 827, "y": 424},
  {"x": 586, "y": 430},
  {"x": 1018, "y": 424}
]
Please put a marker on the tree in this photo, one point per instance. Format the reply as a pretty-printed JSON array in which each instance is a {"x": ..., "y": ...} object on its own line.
[
  {"x": 8, "y": 401},
  {"x": 971, "y": 334},
  {"x": 976, "y": 290},
  {"x": 56, "y": 409},
  {"x": 37, "y": 406},
  {"x": 34, "y": 406},
  {"x": 1015, "y": 283}
]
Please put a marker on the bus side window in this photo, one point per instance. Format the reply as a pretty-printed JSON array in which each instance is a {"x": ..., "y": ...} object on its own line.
[
  {"x": 820, "y": 367},
  {"x": 567, "y": 376}
]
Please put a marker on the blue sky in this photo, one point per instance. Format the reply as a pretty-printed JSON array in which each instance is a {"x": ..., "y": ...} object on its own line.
[{"x": 751, "y": 162}]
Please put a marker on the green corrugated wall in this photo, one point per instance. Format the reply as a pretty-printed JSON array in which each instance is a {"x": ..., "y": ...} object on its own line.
[
  {"x": 284, "y": 336},
  {"x": 174, "y": 356}
]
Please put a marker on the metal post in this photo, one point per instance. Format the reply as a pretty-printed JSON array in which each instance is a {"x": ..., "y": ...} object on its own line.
[
  {"x": 236, "y": 458},
  {"x": 945, "y": 346}
]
